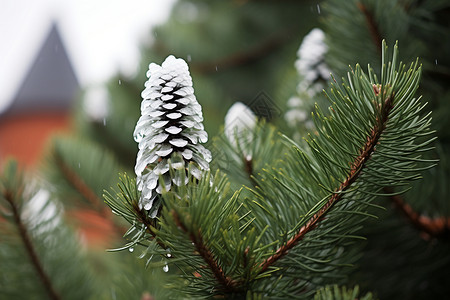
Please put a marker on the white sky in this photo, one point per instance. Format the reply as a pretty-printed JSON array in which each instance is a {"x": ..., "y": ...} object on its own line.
[{"x": 100, "y": 36}]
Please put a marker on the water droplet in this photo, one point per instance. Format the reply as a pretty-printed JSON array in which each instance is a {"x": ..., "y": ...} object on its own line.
[
  {"x": 120, "y": 82},
  {"x": 216, "y": 68},
  {"x": 104, "y": 121},
  {"x": 166, "y": 268},
  {"x": 318, "y": 8},
  {"x": 79, "y": 165},
  {"x": 131, "y": 249},
  {"x": 435, "y": 61},
  {"x": 189, "y": 58}
]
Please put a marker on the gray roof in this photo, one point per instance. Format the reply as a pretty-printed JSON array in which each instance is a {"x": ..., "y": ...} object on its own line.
[{"x": 50, "y": 83}]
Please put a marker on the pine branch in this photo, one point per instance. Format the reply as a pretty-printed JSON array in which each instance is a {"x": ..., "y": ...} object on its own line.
[
  {"x": 149, "y": 223},
  {"x": 432, "y": 227},
  {"x": 44, "y": 278},
  {"x": 228, "y": 283},
  {"x": 244, "y": 57},
  {"x": 357, "y": 166},
  {"x": 366, "y": 142},
  {"x": 85, "y": 191},
  {"x": 372, "y": 26},
  {"x": 372, "y": 137},
  {"x": 125, "y": 204},
  {"x": 243, "y": 158},
  {"x": 238, "y": 58},
  {"x": 342, "y": 293},
  {"x": 248, "y": 165},
  {"x": 78, "y": 183},
  {"x": 32, "y": 227}
]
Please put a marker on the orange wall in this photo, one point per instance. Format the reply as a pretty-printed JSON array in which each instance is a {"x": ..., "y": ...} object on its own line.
[{"x": 24, "y": 136}]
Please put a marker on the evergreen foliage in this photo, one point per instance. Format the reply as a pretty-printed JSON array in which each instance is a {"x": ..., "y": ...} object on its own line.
[
  {"x": 303, "y": 214},
  {"x": 356, "y": 209},
  {"x": 40, "y": 256},
  {"x": 334, "y": 292}
]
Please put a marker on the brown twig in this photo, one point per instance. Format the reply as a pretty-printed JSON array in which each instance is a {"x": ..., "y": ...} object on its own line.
[
  {"x": 373, "y": 28},
  {"x": 241, "y": 57},
  {"x": 238, "y": 58},
  {"x": 149, "y": 224},
  {"x": 248, "y": 165},
  {"x": 8, "y": 195},
  {"x": 436, "y": 227},
  {"x": 206, "y": 254},
  {"x": 78, "y": 183},
  {"x": 356, "y": 167}
]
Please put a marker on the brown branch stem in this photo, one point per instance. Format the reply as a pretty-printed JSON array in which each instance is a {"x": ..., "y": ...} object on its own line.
[
  {"x": 248, "y": 165},
  {"x": 206, "y": 254},
  {"x": 373, "y": 27},
  {"x": 238, "y": 58},
  {"x": 30, "y": 248},
  {"x": 356, "y": 167},
  {"x": 78, "y": 183},
  {"x": 82, "y": 187},
  {"x": 143, "y": 218},
  {"x": 434, "y": 227},
  {"x": 241, "y": 57}
]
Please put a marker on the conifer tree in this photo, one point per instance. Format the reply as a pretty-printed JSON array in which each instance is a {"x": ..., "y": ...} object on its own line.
[{"x": 328, "y": 181}]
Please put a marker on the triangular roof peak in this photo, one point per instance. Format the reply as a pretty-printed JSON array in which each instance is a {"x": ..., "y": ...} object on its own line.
[{"x": 50, "y": 82}]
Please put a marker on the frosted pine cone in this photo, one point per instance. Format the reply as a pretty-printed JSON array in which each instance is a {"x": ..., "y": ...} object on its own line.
[
  {"x": 311, "y": 57},
  {"x": 170, "y": 126},
  {"x": 314, "y": 73},
  {"x": 239, "y": 124}
]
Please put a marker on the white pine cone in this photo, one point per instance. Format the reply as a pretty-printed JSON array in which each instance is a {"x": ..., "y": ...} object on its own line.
[
  {"x": 239, "y": 124},
  {"x": 311, "y": 57},
  {"x": 170, "y": 123}
]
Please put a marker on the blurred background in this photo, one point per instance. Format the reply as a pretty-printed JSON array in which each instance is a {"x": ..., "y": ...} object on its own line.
[
  {"x": 53, "y": 49},
  {"x": 71, "y": 75},
  {"x": 81, "y": 65}
]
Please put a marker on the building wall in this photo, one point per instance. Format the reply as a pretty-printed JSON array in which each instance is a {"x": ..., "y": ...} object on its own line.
[{"x": 25, "y": 136}]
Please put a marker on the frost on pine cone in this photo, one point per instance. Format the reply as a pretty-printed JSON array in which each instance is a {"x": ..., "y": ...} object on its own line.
[
  {"x": 313, "y": 72},
  {"x": 169, "y": 130}
]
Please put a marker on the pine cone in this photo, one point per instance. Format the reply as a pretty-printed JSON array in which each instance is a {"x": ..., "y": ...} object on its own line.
[
  {"x": 240, "y": 122},
  {"x": 170, "y": 127},
  {"x": 311, "y": 58}
]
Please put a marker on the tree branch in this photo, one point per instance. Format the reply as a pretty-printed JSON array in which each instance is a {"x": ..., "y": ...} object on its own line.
[
  {"x": 8, "y": 195},
  {"x": 206, "y": 254},
  {"x": 238, "y": 58},
  {"x": 248, "y": 165},
  {"x": 373, "y": 28},
  {"x": 148, "y": 223},
  {"x": 356, "y": 167},
  {"x": 242, "y": 57},
  {"x": 81, "y": 186},
  {"x": 437, "y": 227},
  {"x": 78, "y": 183}
]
